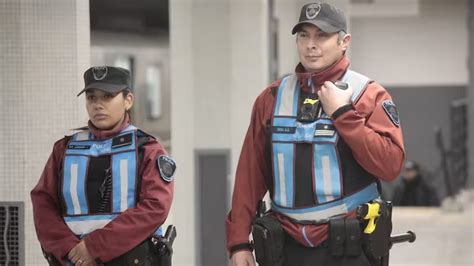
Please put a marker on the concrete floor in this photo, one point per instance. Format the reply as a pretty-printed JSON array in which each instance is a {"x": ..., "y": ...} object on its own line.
[{"x": 444, "y": 236}]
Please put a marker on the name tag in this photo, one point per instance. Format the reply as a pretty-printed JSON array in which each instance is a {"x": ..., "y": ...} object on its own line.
[{"x": 283, "y": 130}]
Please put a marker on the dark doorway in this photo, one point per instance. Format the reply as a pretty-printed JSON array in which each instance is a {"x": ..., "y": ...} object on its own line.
[{"x": 212, "y": 167}]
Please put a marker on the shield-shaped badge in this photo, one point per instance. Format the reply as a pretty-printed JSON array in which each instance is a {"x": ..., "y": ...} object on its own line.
[
  {"x": 167, "y": 167},
  {"x": 312, "y": 11},
  {"x": 391, "y": 111},
  {"x": 99, "y": 72}
]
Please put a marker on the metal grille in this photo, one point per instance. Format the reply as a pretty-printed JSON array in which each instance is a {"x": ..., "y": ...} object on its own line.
[{"x": 11, "y": 233}]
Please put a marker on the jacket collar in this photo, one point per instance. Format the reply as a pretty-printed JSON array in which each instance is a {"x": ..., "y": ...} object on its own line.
[
  {"x": 333, "y": 73},
  {"x": 104, "y": 134}
]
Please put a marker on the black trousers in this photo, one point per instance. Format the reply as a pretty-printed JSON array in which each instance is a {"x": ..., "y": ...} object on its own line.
[{"x": 299, "y": 255}]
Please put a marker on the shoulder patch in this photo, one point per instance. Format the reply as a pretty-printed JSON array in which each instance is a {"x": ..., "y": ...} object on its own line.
[
  {"x": 167, "y": 167},
  {"x": 391, "y": 111}
]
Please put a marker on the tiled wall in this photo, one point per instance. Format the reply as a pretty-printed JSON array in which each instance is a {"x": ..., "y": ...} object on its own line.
[{"x": 44, "y": 49}]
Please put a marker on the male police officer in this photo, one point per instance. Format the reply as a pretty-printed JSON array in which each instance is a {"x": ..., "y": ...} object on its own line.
[{"x": 318, "y": 149}]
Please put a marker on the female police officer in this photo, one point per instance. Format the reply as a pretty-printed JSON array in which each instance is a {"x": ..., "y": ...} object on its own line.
[
  {"x": 319, "y": 151},
  {"x": 106, "y": 189}
]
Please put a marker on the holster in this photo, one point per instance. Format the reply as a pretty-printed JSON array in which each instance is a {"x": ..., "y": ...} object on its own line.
[
  {"x": 269, "y": 239},
  {"x": 377, "y": 244},
  {"x": 163, "y": 252}
]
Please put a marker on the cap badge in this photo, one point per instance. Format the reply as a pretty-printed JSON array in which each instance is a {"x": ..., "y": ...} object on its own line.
[
  {"x": 312, "y": 10},
  {"x": 99, "y": 72}
]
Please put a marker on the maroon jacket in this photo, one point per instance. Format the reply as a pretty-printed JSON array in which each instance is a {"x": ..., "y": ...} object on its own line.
[
  {"x": 122, "y": 234},
  {"x": 375, "y": 141}
]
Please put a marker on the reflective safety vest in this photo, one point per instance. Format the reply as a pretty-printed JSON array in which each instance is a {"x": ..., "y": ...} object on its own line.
[
  {"x": 100, "y": 179},
  {"x": 312, "y": 167}
]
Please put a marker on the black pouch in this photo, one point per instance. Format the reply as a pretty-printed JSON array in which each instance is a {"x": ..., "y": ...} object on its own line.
[
  {"x": 138, "y": 256},
  {"x": 353, "y": 244},
  {"x": 269, "y": 238},
  {"x": 337, "y": 235},
  {"x": 377, "y": 244}
]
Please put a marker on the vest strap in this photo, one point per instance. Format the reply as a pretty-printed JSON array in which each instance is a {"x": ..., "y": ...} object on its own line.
[
  {"x": 322, "y": 213},
  {"x": 357, "y": 81}
]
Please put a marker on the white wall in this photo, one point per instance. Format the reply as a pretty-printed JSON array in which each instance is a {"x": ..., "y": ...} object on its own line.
[{"x": 427, "y": 49}]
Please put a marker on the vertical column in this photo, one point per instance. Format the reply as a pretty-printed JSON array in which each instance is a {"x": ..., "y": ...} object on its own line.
[
  {"x": 218, "y": 67},
  {"x": 182, "y": 77},
  {"x": 470, "y": 95},
  {"x": 249, "y": 68},
  {"x": 44, "y": 48}
]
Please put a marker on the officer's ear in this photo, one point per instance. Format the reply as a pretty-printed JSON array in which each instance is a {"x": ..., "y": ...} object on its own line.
[
  {"x": 344, "y": 40},
  {"x": 128, "y": 98}
]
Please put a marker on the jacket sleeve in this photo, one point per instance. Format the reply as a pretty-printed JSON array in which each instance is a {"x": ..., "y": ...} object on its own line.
[
  {"x": 252, "y": 169},
  {"x": 53, "y": 234},
  {"x": 136, "y": 224},
  {"x": 375, "y": 140}
]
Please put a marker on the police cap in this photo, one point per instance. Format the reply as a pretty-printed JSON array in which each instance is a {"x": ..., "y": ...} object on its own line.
[
  {"x": 107, "y": 78},
  {"x": 322, "y": 15}
]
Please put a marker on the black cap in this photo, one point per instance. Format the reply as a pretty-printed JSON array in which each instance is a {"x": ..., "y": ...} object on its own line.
[
  {"x": 107, "y": 78},
  {"x": 322, "y": 15}
]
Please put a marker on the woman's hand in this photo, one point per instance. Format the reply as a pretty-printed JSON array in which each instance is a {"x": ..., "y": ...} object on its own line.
[
  {"x": 79, "y": 255},
  {"x": 242, "y": 258}
]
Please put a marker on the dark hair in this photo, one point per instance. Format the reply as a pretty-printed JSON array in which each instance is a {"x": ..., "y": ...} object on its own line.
[{"x": 125, "y": 92}]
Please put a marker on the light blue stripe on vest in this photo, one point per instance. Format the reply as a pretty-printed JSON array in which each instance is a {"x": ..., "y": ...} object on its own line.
[
  {"x": 287, "y": 97},
  {"x": 357, "y": 81},
  {"x": 284, "y": 122},
  {"x": 327, "y": 173},
  {"x": 83, "y": 225},
  {"x": 331, "y": 209},
  {"x": 90, "y": 217},
  {"x": 74, "y": 184},
  {"x": 283, "y": 155},
  {"x": 123, "y": 171}
]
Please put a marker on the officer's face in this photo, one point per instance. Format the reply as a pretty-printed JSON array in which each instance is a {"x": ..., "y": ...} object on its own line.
[
  {"x": 317, "y": 49},
  {"x": 107, "y": 111}
]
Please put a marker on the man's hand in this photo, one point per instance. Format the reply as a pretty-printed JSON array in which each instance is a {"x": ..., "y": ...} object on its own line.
[
  {"x": 79, "y": 255},
  {"x": 242, "y": 258},
  {"x": 332, "y": 97}
]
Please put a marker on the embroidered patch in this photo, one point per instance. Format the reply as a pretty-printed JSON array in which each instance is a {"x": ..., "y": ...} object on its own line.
[
  {"x": 312, "y": 10},
  {"x": 123, "y": 140},
  {"x": 323, "y": 130},
  {"x": 391, "y": 111},
  {"x": 167, "y": 167},
  {"x": 99, "y": 72}
]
